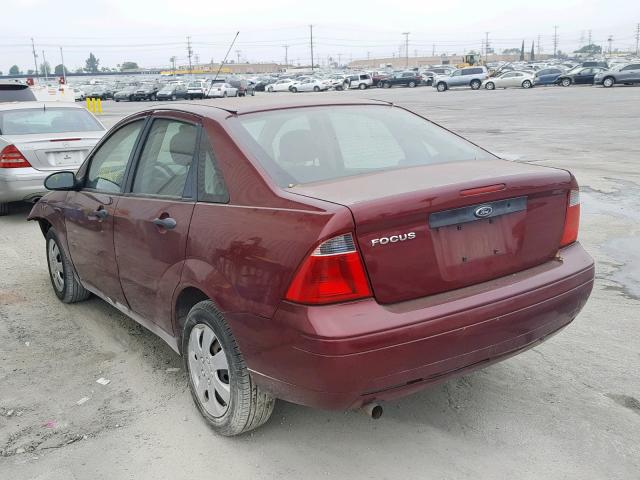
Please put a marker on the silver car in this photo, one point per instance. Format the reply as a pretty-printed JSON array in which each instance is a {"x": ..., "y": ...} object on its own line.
[{"x": 37, "y": 139}]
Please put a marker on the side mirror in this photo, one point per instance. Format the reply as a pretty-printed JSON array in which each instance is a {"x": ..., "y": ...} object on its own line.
[{"x": 61, "y": 181}]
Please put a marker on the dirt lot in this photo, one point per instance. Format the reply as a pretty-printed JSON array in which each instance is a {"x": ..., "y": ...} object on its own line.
[{"x": 569, "y": 408}]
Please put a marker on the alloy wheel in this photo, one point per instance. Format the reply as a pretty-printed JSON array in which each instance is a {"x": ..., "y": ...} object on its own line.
[
  {"x": 209, "y": 370},
  {"x": 56, "y": 268}
]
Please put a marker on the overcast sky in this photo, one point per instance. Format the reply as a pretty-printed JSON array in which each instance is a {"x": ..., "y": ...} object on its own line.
[{"x": 149, "y": 32}]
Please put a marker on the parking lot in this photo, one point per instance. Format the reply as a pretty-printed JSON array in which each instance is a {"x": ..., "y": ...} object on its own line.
[{"x": 569, "y": 408}]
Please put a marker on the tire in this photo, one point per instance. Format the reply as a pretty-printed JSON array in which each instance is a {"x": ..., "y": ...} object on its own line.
[
  {"x": 174, "y": 98},
  {"x": 131, "y": 98},
  {"x": 237, "y": 405},
  {"x": 294, "y": 90},
  {"x": 490, "y": 86},
  {"x": 224, "y": 95},
  {"x": 475, "y": 84},
  {"x": 253, "y": 93},
  {"x": 386, "y": 85},
  {"x": 153, "y": 98},
  {"x": 362, "y": 86},
  {"x": 316, "y": 88},
  {"x": 270, "y": 89},
  {"x": 527, "y": 84},
  {"x": 608, "y": 82},
  {"x": 565, "y": 82},
  {"x": 61, "y": 273},
  {"x": 441, "y": 86},
  {"x": 4, "y": 209},
  {"x": 117, "y": 100},
  {"x": 411, "y": 84}
]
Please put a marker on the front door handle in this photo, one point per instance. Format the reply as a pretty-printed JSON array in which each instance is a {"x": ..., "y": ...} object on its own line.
[
  {"x": 100, "y": 214},
  {"x": 167, "y": 223}
]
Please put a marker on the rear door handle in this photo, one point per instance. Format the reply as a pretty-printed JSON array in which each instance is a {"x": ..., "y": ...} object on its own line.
[
  {"x": 167, "y": 223},
  {"x": 100, "y": 214}
]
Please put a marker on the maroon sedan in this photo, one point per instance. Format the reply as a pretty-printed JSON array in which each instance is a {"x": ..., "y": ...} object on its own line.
[{"x": 332, "y": 255}]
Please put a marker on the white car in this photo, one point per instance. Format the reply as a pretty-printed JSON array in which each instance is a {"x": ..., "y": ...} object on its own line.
[
  {"x": 510, "y": 79},
  {"x": 281, "y": 85},
  {"x": 309, "y": 85},
  {"x": 37, "y": 139},
  {"x": 221, "y": 90},
  {"x": 196, "y": 89}
]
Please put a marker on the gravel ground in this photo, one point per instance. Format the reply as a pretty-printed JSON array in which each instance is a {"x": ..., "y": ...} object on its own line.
[{"x": 568, "y": 408}]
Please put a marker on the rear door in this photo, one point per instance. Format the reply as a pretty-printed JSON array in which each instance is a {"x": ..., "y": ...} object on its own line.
[
  {"x": 152, "y": 219},
  {"x": 90, "y": 211}
]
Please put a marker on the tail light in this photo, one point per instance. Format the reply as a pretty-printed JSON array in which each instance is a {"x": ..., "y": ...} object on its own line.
[
  {"x": 332, "y": 273},
  {"x": 11, "y": 157},
  {"x": 572, "y": 218}
]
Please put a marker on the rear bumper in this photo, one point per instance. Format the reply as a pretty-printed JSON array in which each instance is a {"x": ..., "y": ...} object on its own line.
[
  {"x": 21, "y": 184},
  {"x": 344, "y": 356}
]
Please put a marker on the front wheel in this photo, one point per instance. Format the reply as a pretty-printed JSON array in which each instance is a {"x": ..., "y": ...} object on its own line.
[
  {"x": 386, "y": 85},
  {"x": 174, "y": 98},
  {"x": 608, "y": 82},
  {"x": 527, "y": 84},
  {"x": 441, "y": 87},
  {"x": 316, "y": 88},
  {"x": 565, "y": 82},
  {"x": 490, "y": 86},
  {"x": 63, "y": 279},
  {"x": 220, "y": 383},
  {"x": 362, "y": 86},
  {"x": 412, "y": 84},
  {"x": 475, "y": 84},
  {"x": 294, "y": 89}
]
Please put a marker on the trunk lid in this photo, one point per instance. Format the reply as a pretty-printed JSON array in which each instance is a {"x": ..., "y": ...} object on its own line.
[
  {"x": 55, "y": 151},
  {"x": 435, "y": 228}
]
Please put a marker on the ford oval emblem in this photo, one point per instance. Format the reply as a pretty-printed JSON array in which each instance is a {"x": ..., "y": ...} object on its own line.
[{"x": 483, "y": 211}]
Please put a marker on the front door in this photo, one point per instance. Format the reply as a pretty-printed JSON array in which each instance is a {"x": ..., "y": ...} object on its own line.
[
  {"x": 152, "y": 219},
  {"x": 90, "y": 212}
]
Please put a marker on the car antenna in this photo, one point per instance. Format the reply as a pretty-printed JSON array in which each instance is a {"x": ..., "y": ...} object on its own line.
[{"x": 225, "y": 57}]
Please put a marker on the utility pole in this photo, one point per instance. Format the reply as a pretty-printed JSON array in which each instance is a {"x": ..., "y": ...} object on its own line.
[
  {"x": 339, "y": 60},
  {"x": 589, "y": 36},
  {"x": 486, "y": 45},
  {"x": 35, "y": 58},
  {"x": 173, "y": 65},
  {"x": 539, "y": 49},
  {"x": 64, "y": 72},
  {"x": 433, "y": 50},
  {"x": 610, "y": 40},
  {"x": 189, "y": 53},
  {"x": 238, "y": 55},
  {"x": 311, "y": 37},
  {"x": 44, "y": 67},
  {"x": 637, "y": 37},
  {"x": 286, "y": 54},
  {"x": 406, "y": 49},
  {"x": 555, "y": 40}
]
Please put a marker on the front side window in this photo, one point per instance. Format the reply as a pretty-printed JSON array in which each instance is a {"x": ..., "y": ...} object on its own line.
[
  {"x": 165, "y": 162},
  {"x": 109, "y": 162},
  {"x": 313, "y": 144}
]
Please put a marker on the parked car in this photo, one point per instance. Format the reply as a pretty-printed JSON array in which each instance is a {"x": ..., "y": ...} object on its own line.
[
  {"x": 547, "y": 76},
  {"x": 408, "y": 79},
  {"x": 625, "y": 74},
  {"x": 173, "y": 91},
  {"x": 244, "y": 86},
  {"x": 578, "y": 76},
  {"x": 281, "y": 85},
  {"x": 337, "y": 82},
  {"x": 466, "y": 259},
  {"x": 263, "y": 83},
  {"x": 15, "y": 91},
  {"x": 147, "y": 91},
  {"x": 309, "y": 85},
  {"x": 509, "y": 79},
  {"x": 197, "y": 89},
  {"x": 465, "y": 77},
  {"x": 127, "y": 93},
  {"x": 99, "y": 91},
  {"x": 221, "y": 89},
  {"x": 361, "y": 81},
  {"x": 431, "y": 73},
  {"x": 38, "y": 138}
]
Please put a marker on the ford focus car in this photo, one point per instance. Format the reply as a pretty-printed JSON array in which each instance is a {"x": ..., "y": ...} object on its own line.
[{"x": 332, "y": 255}]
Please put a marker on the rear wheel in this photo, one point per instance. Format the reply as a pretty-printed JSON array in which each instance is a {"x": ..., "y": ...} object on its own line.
[
  {"x": 174, "y": 98},
  {"x": 4, "y": 209},
  {"x": 224, "y": 95},
  {"x": 527, "y": 84},
  {"x": 220, "y": 383},
  {"x": 490, "y": 86},
  {"x": 565, "y": 82},
  {"x": 362, "y": 86},
  {"x": 63, "y": 279},
  {"x": 475, "y": 84},
  {"x": 316, "y": 88},
  {"x": 608, "y": 82},
  {"x": 441, "y": 87},
  {"x": 294, "y": 89},
  {"x": 270, "y": 89},
  {"x": 412, "y": 84},
  {"x": 386, "y": 85}
]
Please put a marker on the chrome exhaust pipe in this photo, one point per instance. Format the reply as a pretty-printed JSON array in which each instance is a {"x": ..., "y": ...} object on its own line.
[{"x": 372, "y": 410}]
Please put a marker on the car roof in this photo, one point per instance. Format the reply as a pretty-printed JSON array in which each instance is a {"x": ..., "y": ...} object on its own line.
[
  {"x": 241, "y": 108},
  {"x": 28, "y": 105}
]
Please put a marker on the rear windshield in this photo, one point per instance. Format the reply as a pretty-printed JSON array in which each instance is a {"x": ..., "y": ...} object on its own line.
[
  {"x": 49, "y": 120},
  {"x": 303, "y": 145},
  {"x": 16, "y": 93}
]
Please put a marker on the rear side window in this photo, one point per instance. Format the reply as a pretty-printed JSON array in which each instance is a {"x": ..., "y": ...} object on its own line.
[
  {"x": 109, "y": 162},
  {"x": 312, "y": 144},
  {"x": 211, "y": 186},
  {"x": 49, "y": 120},
  {"x": 165, "y": 162}
]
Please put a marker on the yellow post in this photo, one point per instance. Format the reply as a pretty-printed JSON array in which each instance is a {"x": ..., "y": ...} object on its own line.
[
  {"x": 93, "y": 105},
  {"x": 99, "y": 105},
  {"x": 88, "y": 103}
]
